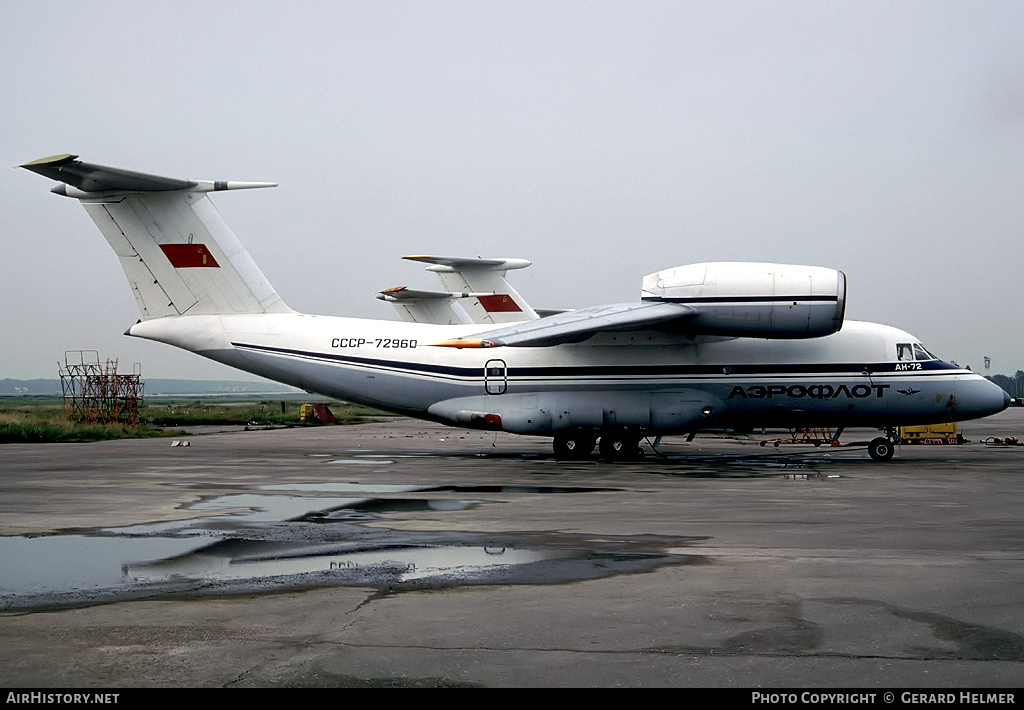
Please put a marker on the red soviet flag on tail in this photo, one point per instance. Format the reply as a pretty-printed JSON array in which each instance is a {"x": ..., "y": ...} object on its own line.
[
  {"x": 184, "y": 256},
  {"x": 499, "y": 303}
]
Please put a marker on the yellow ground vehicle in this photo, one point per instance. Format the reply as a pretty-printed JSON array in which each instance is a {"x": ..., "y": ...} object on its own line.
[{"x": 930, "y": 434}]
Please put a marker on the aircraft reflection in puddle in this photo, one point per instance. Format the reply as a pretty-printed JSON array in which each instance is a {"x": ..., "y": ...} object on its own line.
[{"x": 240, "y": 560}]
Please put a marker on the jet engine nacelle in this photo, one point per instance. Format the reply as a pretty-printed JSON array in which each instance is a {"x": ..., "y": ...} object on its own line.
[{"x": 742, "y": 299}]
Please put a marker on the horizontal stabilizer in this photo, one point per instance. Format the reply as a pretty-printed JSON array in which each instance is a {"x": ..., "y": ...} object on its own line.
[
  {"x": 464, "y": 263},
  {"x": 404, "y": 293},
  {"x": 436, "y": 307},
  {"x": 91, "y": 179}
]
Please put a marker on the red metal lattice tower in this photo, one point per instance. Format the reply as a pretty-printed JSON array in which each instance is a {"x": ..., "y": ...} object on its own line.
[{"x": 95, "y": 393}]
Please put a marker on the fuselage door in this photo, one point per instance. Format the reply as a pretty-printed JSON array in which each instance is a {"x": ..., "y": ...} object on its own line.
[{"x": 495, "y": 377}]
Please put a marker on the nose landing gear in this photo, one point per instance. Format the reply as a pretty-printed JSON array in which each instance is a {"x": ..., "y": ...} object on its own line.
[{"x": 883, "y": 447}]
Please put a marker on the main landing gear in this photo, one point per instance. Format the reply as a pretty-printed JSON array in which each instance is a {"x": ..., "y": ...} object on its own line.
[
  {"x": 616, "y": 443},
  {"x": 574, "y": 444}
]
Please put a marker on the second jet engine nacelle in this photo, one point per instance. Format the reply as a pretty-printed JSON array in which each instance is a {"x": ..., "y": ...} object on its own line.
[{"x": 743, "y": 299}]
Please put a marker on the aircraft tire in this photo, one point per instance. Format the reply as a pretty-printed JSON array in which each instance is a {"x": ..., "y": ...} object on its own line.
[
  {"x": 573, "y": 445},
  {"x": 881, "y": 449},
  {"x": 619, "y": 445}
]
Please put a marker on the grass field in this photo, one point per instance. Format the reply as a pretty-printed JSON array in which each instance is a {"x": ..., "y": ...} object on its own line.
[{"x": 40, "y": 420}]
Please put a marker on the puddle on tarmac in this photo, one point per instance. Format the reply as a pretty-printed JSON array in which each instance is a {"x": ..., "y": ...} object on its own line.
[
  {"x": 76, "y": 563},
  {"x": 267, "y": 540}
]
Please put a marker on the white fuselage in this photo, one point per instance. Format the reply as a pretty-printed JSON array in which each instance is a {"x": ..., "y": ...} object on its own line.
[{"x": 658, "y": 381}]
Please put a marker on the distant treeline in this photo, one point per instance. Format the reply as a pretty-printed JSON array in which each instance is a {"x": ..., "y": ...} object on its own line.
[
  {"x": 153, "y": 387},
  {"x": 1014, "y": 386}
]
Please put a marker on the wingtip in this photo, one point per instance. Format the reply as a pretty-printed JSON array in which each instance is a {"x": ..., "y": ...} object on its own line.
[{"x": 51, "y": 161}]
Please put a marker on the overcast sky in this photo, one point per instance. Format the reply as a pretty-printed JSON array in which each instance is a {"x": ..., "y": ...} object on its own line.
[{"x": 601, "y": 140}]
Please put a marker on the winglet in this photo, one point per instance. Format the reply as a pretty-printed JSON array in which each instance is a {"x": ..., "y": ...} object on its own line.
[{"x": 464, "y": 343}]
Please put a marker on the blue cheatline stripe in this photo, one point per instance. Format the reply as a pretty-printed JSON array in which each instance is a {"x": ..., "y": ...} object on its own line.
[
  {"x": 367, "y": 361},
  {"x": 555, "y": 372}
]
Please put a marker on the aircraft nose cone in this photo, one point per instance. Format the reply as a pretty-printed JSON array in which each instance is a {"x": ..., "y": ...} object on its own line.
[{"x": 978, "y": 397}]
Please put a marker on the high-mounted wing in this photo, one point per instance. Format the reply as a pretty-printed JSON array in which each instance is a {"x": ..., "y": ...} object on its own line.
[{"x": 576, "y": 326}]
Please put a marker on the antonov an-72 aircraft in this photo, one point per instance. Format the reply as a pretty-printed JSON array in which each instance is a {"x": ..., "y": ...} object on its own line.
[{"x": 716, "y": 345}]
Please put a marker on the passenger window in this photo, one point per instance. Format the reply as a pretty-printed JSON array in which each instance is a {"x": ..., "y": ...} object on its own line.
[{"x": 904, "y": 352}]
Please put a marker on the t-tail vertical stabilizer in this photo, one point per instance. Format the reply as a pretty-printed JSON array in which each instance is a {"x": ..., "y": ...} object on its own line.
[
  {"x": 177, "y": 252},
  {"x": 488, "y": 297}
]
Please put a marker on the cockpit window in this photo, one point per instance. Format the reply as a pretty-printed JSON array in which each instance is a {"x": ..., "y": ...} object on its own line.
[
  {"x": 908, "y": 352},
  {"x": 921, "y": 354}
]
